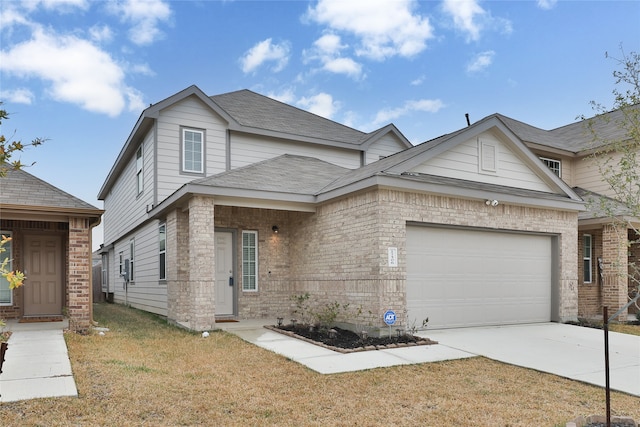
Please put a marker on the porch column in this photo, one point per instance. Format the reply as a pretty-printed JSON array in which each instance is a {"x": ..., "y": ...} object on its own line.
[
  {"x": 177, "y": 261},
  {"x": 615, "y": 268},
  {"x": 201, "y": 263},
  {"x": 79, "y": 274}
]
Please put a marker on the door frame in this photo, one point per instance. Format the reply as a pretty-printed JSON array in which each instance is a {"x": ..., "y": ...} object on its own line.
[
  {"x": 63, "y": 265},
  {"x": 234, "y": 256}
]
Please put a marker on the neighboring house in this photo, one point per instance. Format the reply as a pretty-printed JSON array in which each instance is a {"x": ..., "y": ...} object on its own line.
[
  {"x": 51, "y": 244},
  {"x": 226, "y": 206},
  {"x": 604, "y": 253}
]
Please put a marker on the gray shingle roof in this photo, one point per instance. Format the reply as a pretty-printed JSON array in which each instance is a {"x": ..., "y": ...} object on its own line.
[
  {"x": 257, "y": 111},
  {"x": 599, "y": 206},
  {"x": 284, "y": 174},
  {"x": 574, "y": 137},
  {"x": 22, "y": 188}
]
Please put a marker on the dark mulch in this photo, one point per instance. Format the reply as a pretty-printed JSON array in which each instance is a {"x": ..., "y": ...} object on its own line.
[{"x": 349, "y": 340}]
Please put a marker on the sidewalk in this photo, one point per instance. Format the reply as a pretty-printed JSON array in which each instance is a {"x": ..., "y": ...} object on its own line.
[{"x": 36, "y": 363}]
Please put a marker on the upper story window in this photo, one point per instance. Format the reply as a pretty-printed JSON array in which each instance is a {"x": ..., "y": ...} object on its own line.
[
  {"x": 139, "y": 177},
  {"x": 553, "y": 164},
  {"x": 192, "y": 151}
]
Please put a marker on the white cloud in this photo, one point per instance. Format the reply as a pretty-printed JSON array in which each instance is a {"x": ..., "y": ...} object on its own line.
[
  {"x": 384, "y": 29},
  {"x": 547, "y": 4},
  {"x": 18, "y": 96},
  {"x": 77, "y": 72},
  {"x": 266, "y": 51},
  {"x": 287, "y": 96},
  {"x": 418, "y": 81},
  {"x": 327, "y": 50},
  {"x": 470, "y": 18},
  {"x": 144, "y": 16},
  {"x": 321, "y": 104},
  {"x": 481, "y": 61},
  {"x": 62, "y": 6},
  {"x": 425, "y": 105},
  {"x": 101, "y": 33}
]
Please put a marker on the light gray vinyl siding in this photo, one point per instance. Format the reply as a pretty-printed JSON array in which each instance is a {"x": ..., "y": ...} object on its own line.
[
  {"x": 385, "y": 146},
  {"x": 248, "y": 149},
  {"x": 462, "y": 162},
  {"x": 124, "y": 207},
  {"x": 146, "y": 292},
  {"x": 587, "y": 175},
  {"x": 189, "y": 113}
]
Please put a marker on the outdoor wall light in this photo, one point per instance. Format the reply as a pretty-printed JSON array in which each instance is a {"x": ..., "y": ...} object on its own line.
[
  {"x": 275, "y": 229},
  {"x": 493, "y": 203}
]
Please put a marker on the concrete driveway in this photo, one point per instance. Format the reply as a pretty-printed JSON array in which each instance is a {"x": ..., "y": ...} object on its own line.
[{"x": 568, "y": 351}]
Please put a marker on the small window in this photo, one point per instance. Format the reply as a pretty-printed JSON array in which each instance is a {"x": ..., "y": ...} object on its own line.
[
  {"x": 587, "y": 258},
  {"x": 553, "y": 164},
  {"x": 162, "y": 251},
  {"x": 192, "y": 151},
  {"x": 139, "y": 175},
  {"x": 249, "y": 260},
  {"x": 132, "y": 245},
  {"x": 6, "y": 294}
]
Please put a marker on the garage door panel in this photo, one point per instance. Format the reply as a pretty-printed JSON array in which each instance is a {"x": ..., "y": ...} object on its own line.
[{"x": 463, "y": 277}]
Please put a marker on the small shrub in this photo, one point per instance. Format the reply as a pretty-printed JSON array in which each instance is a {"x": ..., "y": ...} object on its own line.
[
  {"x": 302, "y": 309},
  {"x": 326, "y": 316}
]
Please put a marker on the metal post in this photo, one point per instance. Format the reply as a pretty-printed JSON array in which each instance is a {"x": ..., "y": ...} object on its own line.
[{"x": 605, "y": 316}]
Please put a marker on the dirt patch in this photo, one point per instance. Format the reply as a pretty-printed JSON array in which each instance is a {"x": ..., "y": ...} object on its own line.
[{"x": 346, "y": 341}]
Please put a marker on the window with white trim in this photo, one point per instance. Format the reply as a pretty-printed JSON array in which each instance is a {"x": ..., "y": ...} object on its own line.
[
  {"x": 6, "y": 294},
  {"x": 162, "y": 251},
  {"x": 249, "y": 260},
  {"x": 554, "y": 165},
  {"x": 587, "y": 252},
  {"x": 192, "y": 151},
  {"x": 120, "y": 264},
  {"x": 132, "y": 246},
  {"x": 139, "y": 175}
]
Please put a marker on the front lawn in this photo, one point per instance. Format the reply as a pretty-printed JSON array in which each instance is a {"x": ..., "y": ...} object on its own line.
[{"x": 144, "y": 372}]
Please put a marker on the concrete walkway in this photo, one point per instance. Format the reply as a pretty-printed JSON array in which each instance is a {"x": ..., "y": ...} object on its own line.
[
  {"x": 568, "y": 351},
  {"x": 36, "y": 363}
]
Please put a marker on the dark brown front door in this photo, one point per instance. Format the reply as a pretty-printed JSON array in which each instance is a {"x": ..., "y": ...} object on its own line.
[{"x": 43, "y": 269}]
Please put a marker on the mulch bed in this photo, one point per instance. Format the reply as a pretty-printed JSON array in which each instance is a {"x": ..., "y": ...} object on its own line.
[{"x": 346, "y": 341}]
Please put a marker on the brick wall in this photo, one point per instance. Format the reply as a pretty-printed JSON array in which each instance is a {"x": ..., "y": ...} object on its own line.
[
  {"x": 615, "y": 268},
  {"x": 340, "y": 252},
  {"x": 79, "y": 274},
  {"x": 590, "y": 294},
  {"x": 191, "y": 265}
]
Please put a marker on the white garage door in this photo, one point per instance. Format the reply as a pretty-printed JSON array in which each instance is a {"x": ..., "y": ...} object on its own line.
[{"x": 461, "y": 277}]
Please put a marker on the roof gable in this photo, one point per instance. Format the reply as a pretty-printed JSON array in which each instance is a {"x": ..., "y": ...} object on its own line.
[
  {"x": 428, "y": 162},
  {"x": 21, "y": 189}
]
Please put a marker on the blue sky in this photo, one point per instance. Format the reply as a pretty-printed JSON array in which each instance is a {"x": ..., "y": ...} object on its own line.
[{"x": 79, "y": 73}]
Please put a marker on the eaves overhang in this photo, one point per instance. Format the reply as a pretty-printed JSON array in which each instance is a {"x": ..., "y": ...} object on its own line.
[
  {"x": 49, "y": 213},
  {"x": 499, "y": 193},
  {"x": 235, "y": 127},
  {"x": 228, "y": 196}
]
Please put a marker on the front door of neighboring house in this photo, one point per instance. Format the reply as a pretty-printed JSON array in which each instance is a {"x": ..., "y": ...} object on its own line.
[
  {"x": 225, "y": 280},
  {"x": 43, "y": 270}
]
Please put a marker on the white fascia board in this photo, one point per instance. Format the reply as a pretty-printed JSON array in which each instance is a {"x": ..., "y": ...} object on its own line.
[{"x": 407, "y": 185}]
